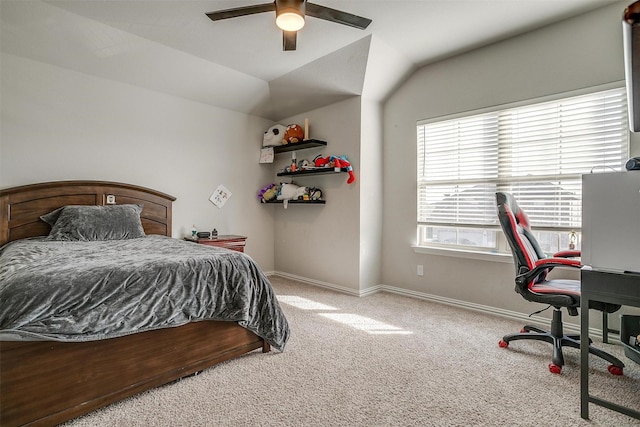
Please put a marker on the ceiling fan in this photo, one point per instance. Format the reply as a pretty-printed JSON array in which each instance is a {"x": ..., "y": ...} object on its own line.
[{"x": 290, "y": 16}]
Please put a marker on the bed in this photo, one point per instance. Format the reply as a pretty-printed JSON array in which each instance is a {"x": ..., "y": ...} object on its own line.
[{"x": 47, "y": 378}]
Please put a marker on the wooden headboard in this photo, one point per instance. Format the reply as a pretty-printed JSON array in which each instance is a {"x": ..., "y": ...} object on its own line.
[{"x": 21, "y": 207}]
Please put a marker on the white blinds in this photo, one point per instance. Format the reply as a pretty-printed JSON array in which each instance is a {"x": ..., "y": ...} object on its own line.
[{"x": 537, "y": 152}]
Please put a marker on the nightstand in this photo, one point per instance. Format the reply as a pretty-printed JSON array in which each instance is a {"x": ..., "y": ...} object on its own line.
[{"x": 233, "y": 242}]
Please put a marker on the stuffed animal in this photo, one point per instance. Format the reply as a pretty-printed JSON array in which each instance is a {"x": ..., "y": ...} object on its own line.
[
  {"x": 293, "y": 134},
  {"x": 336, "y": 162},
  {"x": 315, "y": 193},
  {"x": 274, "y": 136},
  {"x": 291, "y": 191},
  {"x": 322, "y": 162},
  {"x": 268, "y": 193}
]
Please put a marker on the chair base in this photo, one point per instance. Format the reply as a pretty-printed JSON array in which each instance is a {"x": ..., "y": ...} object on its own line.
[{"x": 558, "y": 339}]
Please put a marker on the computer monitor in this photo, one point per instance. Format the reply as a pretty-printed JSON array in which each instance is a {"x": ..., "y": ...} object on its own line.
[{"x": 611, "y": 221}]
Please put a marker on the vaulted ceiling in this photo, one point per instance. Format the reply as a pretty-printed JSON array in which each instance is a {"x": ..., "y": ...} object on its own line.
[{"x": 171, "y": 46}]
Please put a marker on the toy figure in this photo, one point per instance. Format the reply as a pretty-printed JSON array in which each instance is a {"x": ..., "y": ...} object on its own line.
[
  {"x": 293, "y": 134},
  {"x": 273, "y": 136},
  {"x": 337, "y": 162},
  {"x": 268, "y": 193}
]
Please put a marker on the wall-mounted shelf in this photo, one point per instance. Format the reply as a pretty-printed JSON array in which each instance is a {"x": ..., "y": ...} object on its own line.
[
  {"x": 306, "y": 144},
  {"x": 318, "y": 171},
  {"x": 309, "y": 143},
  {"x": 299, "y": 202}
]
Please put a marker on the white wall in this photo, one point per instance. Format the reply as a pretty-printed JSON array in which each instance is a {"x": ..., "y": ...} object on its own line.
[
  {"x": 58, "y": 124},
  {"x": 578, "y": 53},
  {"x": 371, "y": 196},
  {"x": 322, "y": 242}
]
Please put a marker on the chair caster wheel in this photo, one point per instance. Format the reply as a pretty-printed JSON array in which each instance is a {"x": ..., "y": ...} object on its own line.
[
  {"x": 555, "y": 369},
  {"x": 503, "y": 344},
  {"x": 615, "y": 370}
]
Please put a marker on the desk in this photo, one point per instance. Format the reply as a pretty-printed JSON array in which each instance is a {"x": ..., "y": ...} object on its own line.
[{"x": 609, "y": 287}]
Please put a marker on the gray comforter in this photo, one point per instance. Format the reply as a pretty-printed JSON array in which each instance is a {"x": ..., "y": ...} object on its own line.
[{"x": 83, "y": 291}]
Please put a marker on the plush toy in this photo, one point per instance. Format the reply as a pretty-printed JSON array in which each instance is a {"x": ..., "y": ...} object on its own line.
[
  {"x": 322, "y": 162},
  {"x": 336, "y": 162},
  {"x": 315, "y": 193},
  {"x": 274, "y": 135},
  {"x": 291, "y": 192},
  {"x": 268, "y": 193},
  {"x": 293, "y": 134}
]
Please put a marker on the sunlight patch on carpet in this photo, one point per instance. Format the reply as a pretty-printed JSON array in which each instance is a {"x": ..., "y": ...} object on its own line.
[
  {"x": 366, "y": 324},
  {"x": 304, "y": 303}
]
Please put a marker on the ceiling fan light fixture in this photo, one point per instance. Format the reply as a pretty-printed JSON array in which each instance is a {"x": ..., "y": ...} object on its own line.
[
  {"x": 290, "y": 17},
  {"x": 290, "y": 21},
  {"x": 290, "y": 14}
]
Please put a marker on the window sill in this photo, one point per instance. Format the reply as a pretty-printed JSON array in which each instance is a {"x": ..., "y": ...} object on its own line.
[{"x": 461, "y": 253}]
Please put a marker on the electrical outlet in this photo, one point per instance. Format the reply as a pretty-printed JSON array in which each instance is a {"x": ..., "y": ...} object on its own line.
[
  {"x": 111, "y": 199},
  {"x": 420, "y": 271}
]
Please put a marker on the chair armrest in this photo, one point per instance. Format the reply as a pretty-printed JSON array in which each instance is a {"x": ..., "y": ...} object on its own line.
[
  {"x": 546, "y": 264},
  {"x": 567, "y": 254},
  {"x": 556, "y": 262}
]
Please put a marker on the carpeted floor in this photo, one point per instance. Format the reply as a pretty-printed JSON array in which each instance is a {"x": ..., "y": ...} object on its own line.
[{"x": 383, "y": 360}]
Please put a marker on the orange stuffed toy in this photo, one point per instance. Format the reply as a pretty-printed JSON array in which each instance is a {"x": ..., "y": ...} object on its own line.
[{"x": 294, "y": 133}]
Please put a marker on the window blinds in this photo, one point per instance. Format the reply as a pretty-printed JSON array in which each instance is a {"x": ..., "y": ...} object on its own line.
[{"x": 537, "y": 152}]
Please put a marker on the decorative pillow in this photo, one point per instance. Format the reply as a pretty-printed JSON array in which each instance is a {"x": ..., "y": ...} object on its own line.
[{"x": 112, "y": 222}]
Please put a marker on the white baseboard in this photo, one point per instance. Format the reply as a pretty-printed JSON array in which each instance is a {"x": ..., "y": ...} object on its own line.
[
  {"x": 328, "y": 285},
  {"x": 514, "y": 315}
]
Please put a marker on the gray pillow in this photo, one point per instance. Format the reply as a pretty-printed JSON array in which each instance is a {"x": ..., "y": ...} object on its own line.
[
  {"x": 113, "y": 222},
  {"x": 52, "y": 216}
]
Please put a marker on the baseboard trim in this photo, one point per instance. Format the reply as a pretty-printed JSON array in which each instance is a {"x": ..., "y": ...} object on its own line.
[
  {"x": 328, "y": 285},
  {"x": 509, "y": 314}
]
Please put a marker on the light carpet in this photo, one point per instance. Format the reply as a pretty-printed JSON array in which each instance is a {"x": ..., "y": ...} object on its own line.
[{"x": 384, "y": 360}]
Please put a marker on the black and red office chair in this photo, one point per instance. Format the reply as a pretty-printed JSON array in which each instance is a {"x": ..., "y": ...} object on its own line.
[{"x": 532, "y": 267}]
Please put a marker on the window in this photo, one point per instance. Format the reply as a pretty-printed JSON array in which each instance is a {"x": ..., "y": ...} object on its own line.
[{"x": 538, "y": 152}]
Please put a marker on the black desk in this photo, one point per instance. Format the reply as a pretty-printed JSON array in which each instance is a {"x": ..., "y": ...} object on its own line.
[{"x": 614, "y": 288}]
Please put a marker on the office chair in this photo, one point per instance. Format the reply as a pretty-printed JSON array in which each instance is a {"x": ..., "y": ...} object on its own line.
[{"x": 532, "y": 267}]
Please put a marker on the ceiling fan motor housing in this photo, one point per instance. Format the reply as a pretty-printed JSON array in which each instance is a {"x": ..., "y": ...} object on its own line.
[{"x": 294, "y": 6}]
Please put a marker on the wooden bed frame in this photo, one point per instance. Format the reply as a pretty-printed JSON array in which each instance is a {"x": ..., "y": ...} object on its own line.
[{"x": 46, "y": 382}]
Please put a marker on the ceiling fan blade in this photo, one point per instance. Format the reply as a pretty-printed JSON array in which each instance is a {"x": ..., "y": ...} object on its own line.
[
  {"x": 289, "y": 40},
  {"x": 241, "y": 11},
  {"x": 338, "y": 16}
]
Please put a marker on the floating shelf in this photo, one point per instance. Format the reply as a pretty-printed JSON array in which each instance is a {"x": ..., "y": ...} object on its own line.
[
  {"x": 319, "y": 171},
  {"x": 299, "y": 202},
  {"x": 309, "y": 143},
  {"x": 306, "y": 144}
]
